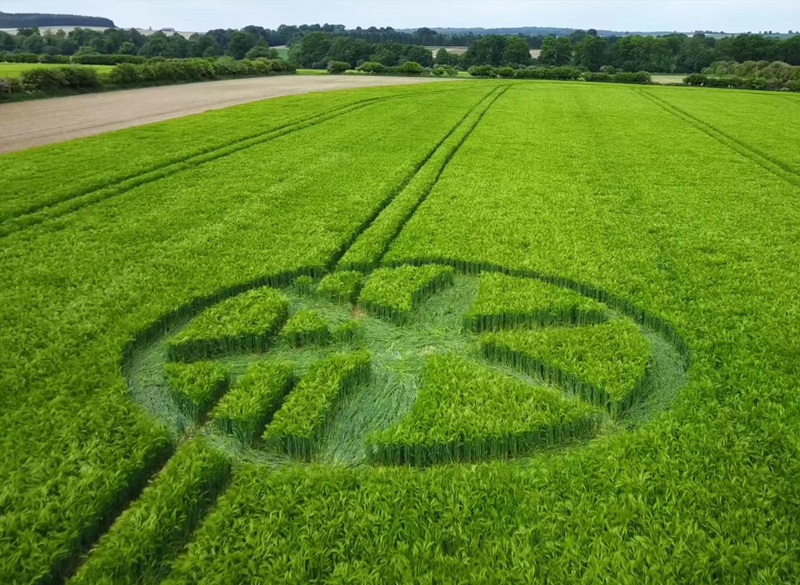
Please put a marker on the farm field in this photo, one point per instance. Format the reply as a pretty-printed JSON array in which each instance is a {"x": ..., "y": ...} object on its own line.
[
  {"x": 8, "y": 70},
  {"x": 478, "y": 332},
  {"x": 39, "y": 122}
]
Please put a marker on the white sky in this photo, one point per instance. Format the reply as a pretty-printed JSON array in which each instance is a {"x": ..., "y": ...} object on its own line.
[{"x": 640, "y": 15}]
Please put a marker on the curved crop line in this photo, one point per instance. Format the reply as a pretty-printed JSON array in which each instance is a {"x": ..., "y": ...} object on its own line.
[
  {"x": 185, "y": 312},
  {"x": 778, "y": 168},
  {"x": 616, "y": 302},
  {"x": 83, "y": 199}
]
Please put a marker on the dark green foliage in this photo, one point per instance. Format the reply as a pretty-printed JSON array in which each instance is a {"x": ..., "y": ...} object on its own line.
[
  {"x": 57, "y": 78},
  {"x": 371, "y": 67},
  {"x": 695, "y": 79},
  {"x": 506, "y": 301},
  {"x": 342, "y": 285},
  {"x": 304, "y": 415},
  {"x": 140, "y": 545},
  {"x": 196, "y": 386},
  {"x": 605, "y": 364},
  {"x": 482, "y": 71},
  {"x": 409, "y": 68},
  {"x": 244, "y": 323},
  {"x": 253, "y": 400},
  {"x": 393, "y": 292},
  {"x": 335, "y": 67},
  {"x": 466, "y": 412},
  {"x": 98, "y": 59},
  {"x": 306, "y": 327}
]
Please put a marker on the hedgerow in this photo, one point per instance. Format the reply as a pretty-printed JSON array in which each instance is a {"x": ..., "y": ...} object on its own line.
[
  {"x": 606, "y": 364},
  {"x": 506, "y": 301},
  {"x": 467, "y": 412},
  {"x": 306, "y": 327},
  {"x": 304, "y": 415},
  {"x": 140, "y": 545},
  {"x": 196, "y": 386},
  {"x": 253, "y": 399},
  {"x": 342, "y": 285},
  {"x": 393, "y": 292},
  {"x": 243, "y": 323}
]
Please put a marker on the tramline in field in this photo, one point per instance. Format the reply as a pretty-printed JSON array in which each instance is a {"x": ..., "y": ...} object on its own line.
[{"x": 413, "y": 334}]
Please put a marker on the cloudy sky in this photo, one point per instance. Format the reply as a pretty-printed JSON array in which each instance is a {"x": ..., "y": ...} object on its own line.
[{"x": 641, "y": 15}]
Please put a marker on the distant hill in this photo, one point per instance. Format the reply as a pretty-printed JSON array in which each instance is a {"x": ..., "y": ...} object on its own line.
[
  {"x": 561, "y": 31},
  {"x": 8, "y": 20}
]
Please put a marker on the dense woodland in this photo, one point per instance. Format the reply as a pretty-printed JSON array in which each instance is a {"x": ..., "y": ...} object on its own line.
[{"x": 316, "y": 45}]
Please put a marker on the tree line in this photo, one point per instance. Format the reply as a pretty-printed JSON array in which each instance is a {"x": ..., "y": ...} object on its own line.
[{"x": 317, "y": 45}]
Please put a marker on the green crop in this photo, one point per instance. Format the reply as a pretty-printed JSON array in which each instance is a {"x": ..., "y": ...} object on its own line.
[
  {"x": 606, "y": 364},
  {"x": 92, "y": 285},
  {"x": 254, "y": 398},
  {"x": 140, "y": 545},
  {"x": 196, "y": 386},
  {"x": 393, "y": 292},
  {"x": 677, "y": 208},
  {"x": 466, "y": 411},
  {"x": 505, "y": 301},
  {"x": 306, "y": 327},
  {"x": 348, "y": 331},
  {"x": 244, "y": 323},
  {"x": 342, "y": 285},
  {"x": 302, "y": 418}
]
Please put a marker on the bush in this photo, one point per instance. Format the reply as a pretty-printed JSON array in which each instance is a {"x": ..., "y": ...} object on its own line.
[
  {"x": 11, "y": 85},
  {"x": 482, "y": 71},
  {"x": 445, "y": 71},
  {"x": 48, "y": 79},
  {"x": 794, "y": 85},
  {"x": 96, "y": 59},
  {"x": 696, "y": 79},
  {"x": 632, "y": 77},
  {"x": 337, "y": 67},
  {"x": 606, "y": 77},
  {"x": 78, "y": 77},
  {"x": 371, "y": 67},
  {"x": 608, "y": 69},
  {"x": 409, "y": 68},
  {"x": 22, "y": 58},
  {"x": 55, "y": 59},
  {"x": 261, "y": 52},
  {"x": 563, "y": 73},
  {"x": 505, "y": 72}
]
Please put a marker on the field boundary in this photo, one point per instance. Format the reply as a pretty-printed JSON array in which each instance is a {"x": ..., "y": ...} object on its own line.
[
  {"x": 83, "y": 199},
  {"x": 765, "y": 161},
  {"x": 492, "y": 97}
]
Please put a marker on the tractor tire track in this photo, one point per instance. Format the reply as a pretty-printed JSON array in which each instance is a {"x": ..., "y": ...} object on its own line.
[
  {"x": 765, "y": 161},
  {"x": 40, "y": 213}
]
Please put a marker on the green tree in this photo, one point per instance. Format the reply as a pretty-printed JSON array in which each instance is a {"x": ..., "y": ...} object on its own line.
[
  {"x": 445, "y": 57},
  {"x": 556, "y": 51},
  {"x": 239, "y": 44},
  {"x": 590, "y": 53},
  {"x": 310, "y": 49},
  {"x": 517, "y": 52}
]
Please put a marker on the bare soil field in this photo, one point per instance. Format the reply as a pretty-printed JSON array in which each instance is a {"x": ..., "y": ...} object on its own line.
[{"x": 39, "y": 122}]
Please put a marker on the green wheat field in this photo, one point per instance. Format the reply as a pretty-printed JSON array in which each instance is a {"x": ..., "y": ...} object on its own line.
[{"x": 470, "y": 332}]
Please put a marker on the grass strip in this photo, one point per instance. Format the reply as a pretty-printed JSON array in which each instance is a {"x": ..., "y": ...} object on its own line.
[
  {"x": 244, "y": 323},
  {"x": 142, "y": 542},
  {"x": 392, "y": 293},
  {"x": 466, "y": 412},
  {"x": 253, "y": 400},
  {"x": 196, "y": 386},
  {"x": 305, "y": 414},
  {"x": 506, "y": 301},
  {"x": 605, "y": 364}
]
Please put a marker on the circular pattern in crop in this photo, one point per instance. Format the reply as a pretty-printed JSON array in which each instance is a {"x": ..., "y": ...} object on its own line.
[{"x": 414, "y": 365}]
